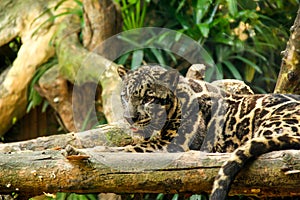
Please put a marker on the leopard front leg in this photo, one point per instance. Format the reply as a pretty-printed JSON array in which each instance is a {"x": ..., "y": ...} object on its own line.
[{"x": 148, "y": 146}]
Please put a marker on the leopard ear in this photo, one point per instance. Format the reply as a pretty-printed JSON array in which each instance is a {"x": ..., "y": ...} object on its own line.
[
  {"x": 122, "y": 71},
  {"x": 170, "y": 79}
]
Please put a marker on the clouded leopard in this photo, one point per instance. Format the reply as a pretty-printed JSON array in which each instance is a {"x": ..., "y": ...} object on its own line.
[{"x": 174, "y": 113}]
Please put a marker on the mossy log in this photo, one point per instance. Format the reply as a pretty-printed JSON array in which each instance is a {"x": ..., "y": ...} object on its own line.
[
  {"x": 33, "y": 167},
  {"x": 32, "y": 173},
  {"x": 106, "y": 135}
]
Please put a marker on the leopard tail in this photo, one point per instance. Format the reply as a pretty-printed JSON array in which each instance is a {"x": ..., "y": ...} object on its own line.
[{"x": 253, "y": 148}]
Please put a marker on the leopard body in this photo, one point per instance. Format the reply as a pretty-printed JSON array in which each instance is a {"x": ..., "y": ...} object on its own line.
[{"x": 174, "y": 113}]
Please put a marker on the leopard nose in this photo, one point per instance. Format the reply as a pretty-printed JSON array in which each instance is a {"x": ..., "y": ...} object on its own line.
[{"x": 131, "y": 117}]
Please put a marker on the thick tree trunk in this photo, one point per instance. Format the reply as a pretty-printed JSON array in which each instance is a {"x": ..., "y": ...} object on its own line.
[
  {"x": 39, "y": 27},
  {"x": 102, "y": 20},
  {"x": 17, "y": 21},
  {"x": 32, "y": 173},
  {"x": 289, "y": 76},
  {"x": 83, "y": 68},
  {"x": 43, "y": 165}
]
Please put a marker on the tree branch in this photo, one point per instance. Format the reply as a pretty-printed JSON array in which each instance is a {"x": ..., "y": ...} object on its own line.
[
  {"x": 106, "y": 135},
  {"x": 288, "y": 79}
]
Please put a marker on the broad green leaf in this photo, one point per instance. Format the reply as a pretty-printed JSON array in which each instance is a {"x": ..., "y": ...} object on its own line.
[
  {"x": 34, "y": 97},
  {"x": 132, "y": 42},
  {"x": 249, "y": 73},
  {"x": 142, "y": 18},
  {"x": 183, "y": 21},
  {"x": 219, "y": 72},
  {"x": 137, "y": 58},
  {"x": 250, "y": 50},
  {"x": 201, "y": 7},
  {"x": 158, "y": 56},
  {"x": 79, "y": 2},
  {"x": 181, "y": 4},
  {"x": 61, "y": 195},
  {"x": 236, "y": 74},
  {"x": 248, "y": 62},
  {"x": 232, "y": 7},
  {"x": 171, "y": 55},
  {"x": 178, "y": 36},
  {"x": 213, "y": 13},
  {"x": 197, "y": 197},
  {"x": 29, "y": 106},
  {"x": 160, "y": 196},
  {"x": 204, "y": 29},
  {"x": 59, "y": 4},
  {"x": 122, "y": 59},
  {"x": 45, "y": 106},
  {"x": 279, "y": 3},
  {"x": 82, "y": 197},
  {"x": 132, "y": 1},
  {"x": 264, "y": 34},
  {"x": 175, "y": 197},
  {"x": 223, "y": 40}
]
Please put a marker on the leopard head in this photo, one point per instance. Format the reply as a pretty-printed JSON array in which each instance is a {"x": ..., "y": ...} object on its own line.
[{"x": 149, "y": 100}]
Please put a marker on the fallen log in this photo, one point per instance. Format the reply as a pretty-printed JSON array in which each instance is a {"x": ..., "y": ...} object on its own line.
[{"x": 33, "y": 172}]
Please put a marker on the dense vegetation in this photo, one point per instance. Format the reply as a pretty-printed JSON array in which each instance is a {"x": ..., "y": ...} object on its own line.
[{"x": 244, "y": 38}]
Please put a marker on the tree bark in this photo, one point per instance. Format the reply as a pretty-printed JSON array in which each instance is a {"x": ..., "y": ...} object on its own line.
[
  {"x": 17, "y": 21},
  {"x": 41, "y": 38},
  {"x": 31, "y": 173},
  {"x": 85, "y": 66},
  {"x": 42, "y": 165},
  {"x": 102, "y": 19},
  {"x": 106, "y": 135},
  {"x": 289, "y": 77}
]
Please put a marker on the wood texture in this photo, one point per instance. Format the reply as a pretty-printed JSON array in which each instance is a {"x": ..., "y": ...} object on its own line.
[
  {"x": 274, "y": 174},
  {"x": 106, "y": 135},
  {"x": 288, "y": 80}
]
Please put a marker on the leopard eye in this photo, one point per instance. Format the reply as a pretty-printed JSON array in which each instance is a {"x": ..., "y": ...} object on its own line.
[
  {"x": 164, "y": 102},
  {"x": 148, "y": 99}
]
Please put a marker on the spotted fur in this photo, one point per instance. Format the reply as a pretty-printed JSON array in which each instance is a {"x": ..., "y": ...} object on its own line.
[{"x": 174, "y": 113}]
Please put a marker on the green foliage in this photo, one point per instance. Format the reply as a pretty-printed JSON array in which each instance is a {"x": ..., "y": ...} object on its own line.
[
  {"x": 73, "y": 196},
  {"x": 242, "y": 37},
  {"x": 69, "y": 11},
  {"x": 133, "y": 13},
  {"x": 152, "y": 55},
  {"x": 34, "y": 98}
]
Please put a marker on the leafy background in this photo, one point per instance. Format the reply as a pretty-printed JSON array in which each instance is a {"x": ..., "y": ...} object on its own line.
[{"x": 244, "y": 37}]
